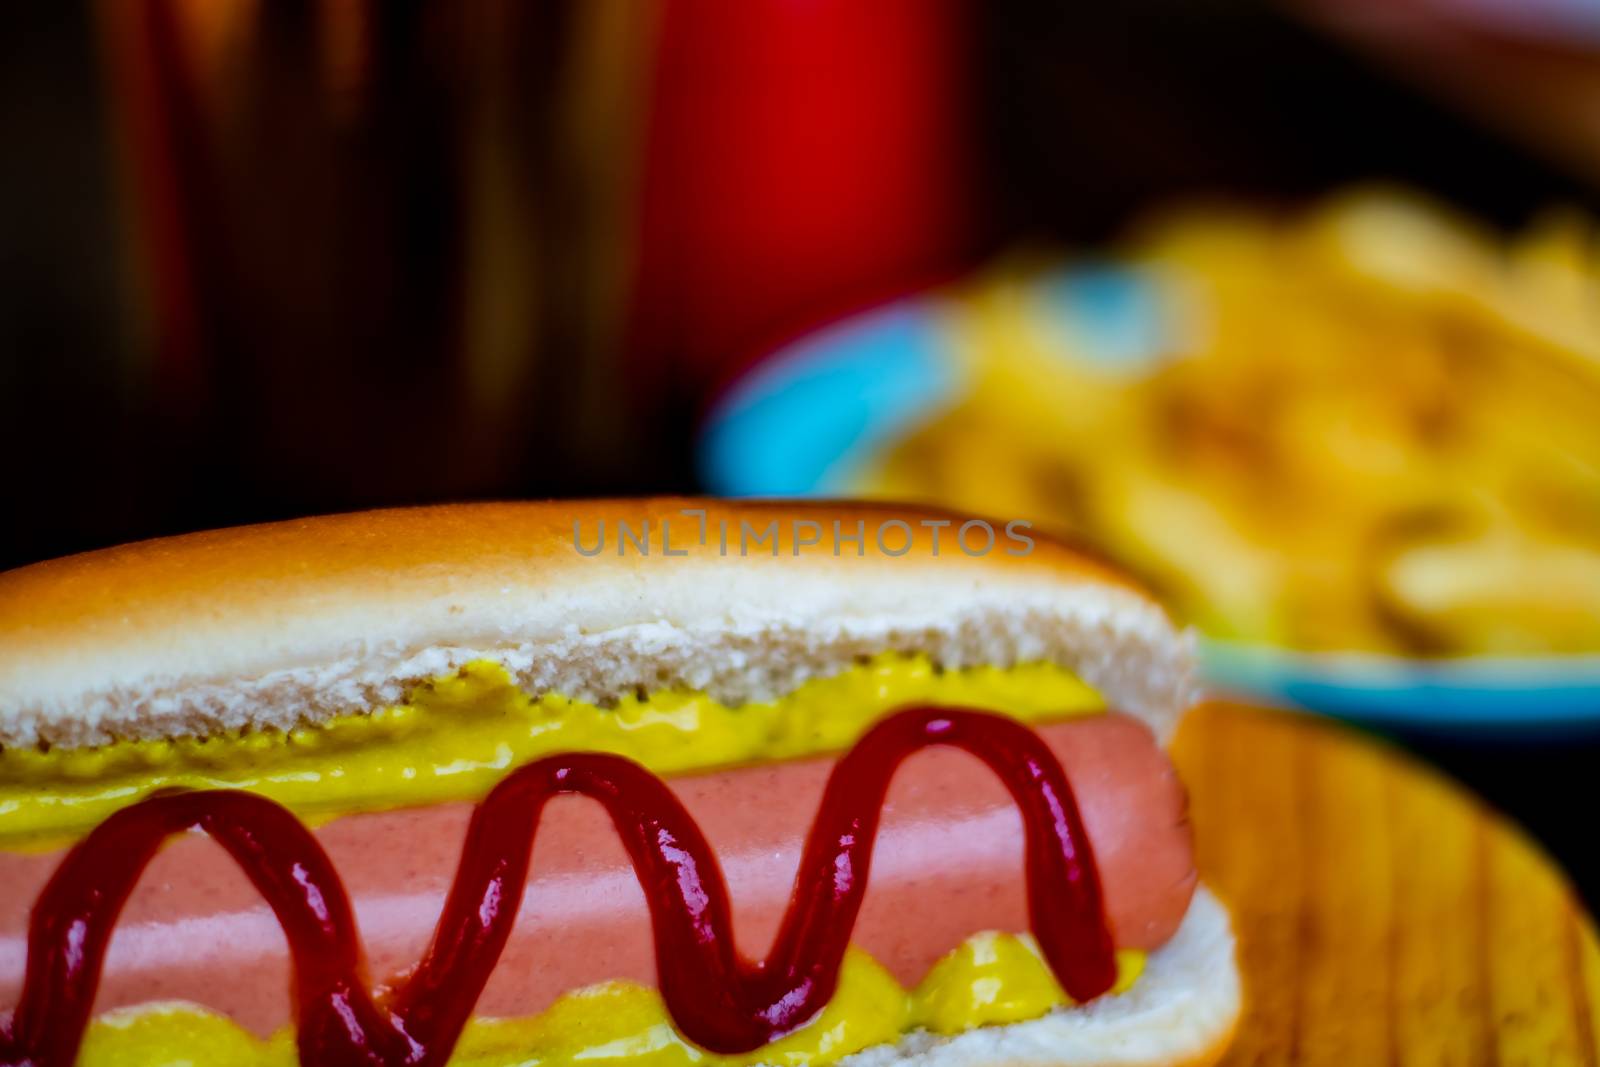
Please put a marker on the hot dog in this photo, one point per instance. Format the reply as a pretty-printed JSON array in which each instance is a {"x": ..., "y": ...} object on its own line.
[{"x": 320, "y": 626}]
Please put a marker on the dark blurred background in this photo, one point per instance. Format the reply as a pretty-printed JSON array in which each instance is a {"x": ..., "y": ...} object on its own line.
[{"x": 260, "y": 259}]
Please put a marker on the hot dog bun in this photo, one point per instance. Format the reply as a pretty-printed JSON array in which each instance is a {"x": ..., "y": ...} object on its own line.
[
  {"x": 1181, "y": 1013},
  {"x": 291, "y": 623}
]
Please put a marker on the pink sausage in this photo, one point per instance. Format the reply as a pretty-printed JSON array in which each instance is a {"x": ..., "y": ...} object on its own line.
[{"x": 948, "y": 864}]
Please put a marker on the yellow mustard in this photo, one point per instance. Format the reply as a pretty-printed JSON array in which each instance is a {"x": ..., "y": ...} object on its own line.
[
  {"x": 991, "y": 978},
  {"x": 455, "y": 737}
]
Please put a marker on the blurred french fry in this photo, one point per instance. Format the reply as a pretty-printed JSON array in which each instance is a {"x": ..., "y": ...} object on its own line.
[{"x": 1378, "y": 427}]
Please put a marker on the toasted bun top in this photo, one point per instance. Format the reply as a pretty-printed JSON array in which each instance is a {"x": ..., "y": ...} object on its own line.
[{"x": 296, "y": 622}]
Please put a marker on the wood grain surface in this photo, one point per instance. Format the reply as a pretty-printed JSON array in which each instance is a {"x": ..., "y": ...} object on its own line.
[{"x": 1384, "y": 915}]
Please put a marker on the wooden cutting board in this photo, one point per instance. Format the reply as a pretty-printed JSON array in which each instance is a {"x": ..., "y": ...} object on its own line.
[{"x": 1384, "y": 915}]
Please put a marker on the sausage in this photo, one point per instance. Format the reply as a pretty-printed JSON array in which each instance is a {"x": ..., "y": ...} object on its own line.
[{"x": 948, "y": 864}]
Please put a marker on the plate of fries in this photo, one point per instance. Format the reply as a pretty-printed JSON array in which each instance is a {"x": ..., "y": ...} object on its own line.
[{"x": 1357, "y": 446}]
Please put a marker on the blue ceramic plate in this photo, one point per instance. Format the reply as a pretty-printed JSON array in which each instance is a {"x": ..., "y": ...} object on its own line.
[{"x": 806, "y": 420}]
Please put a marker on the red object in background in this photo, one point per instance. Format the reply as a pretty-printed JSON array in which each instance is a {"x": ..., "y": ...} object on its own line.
[{"x": 803, "y": 158}]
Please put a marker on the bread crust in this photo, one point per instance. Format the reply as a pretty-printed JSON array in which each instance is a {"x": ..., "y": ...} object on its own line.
[{"x": 293, "y": 622}]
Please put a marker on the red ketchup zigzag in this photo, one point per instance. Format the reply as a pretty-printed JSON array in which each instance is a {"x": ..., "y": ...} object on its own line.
[{"x": 717, "y": 999}]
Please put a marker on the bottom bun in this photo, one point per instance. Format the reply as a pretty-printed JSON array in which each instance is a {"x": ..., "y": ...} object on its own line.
[{"x": 1180, "y": 1013}]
